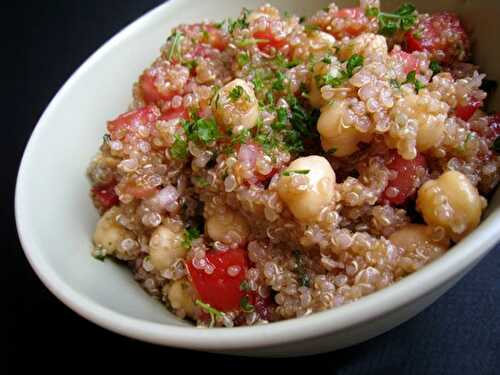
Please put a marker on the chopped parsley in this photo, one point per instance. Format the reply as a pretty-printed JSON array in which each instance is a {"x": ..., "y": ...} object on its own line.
[
  {"x": 395, "y": 83},
  {"x": 200, "y": 181},
  {"x": 191, "y": 64},
  {"x": 412, "y": 78},
  {"x": 308, "y": 28},
  {"x": 243, "y": 58},
  {"x": 303, "y": 277},
  {"x": 236, "y": 93},
  {"x": 279, "y": 82},
  {"x": 289, "y": 173},
  {"x": 214, "y": 313},
  {"x": 352, "y": 64},
  {"x": 245, "y": 305},
  {"x": 175, "y": 46},
  {"x": 281, "y": 119},
  {"x": 332, "y": 151},
  {"x": 244, "y": 286},
  {"x": 389, "y": 23},
  {"x": 190, "y": 234},
  {"x": 179, "y": 149},
  {"x": 201, "y": 130},
  {"x": 239, "y": 23},
  {"x": 326, "y": 60},
  {"x": 283, "y": 62},
  {"x": 435, "y": 67}
]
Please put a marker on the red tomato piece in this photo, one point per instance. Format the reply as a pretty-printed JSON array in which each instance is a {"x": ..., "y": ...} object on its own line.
[
  {"x": 105, "y": 195},
  {"x": 443, "y": 35},
  {"x": 175, "y": 113},
  {"x": 268, "y": 40},
  {"x": 216, "y": 37},
  {"x": 219, "y": 289},
  {"x": 410, "y": 62},
  {"x": 406, "y": 181},
  {"x": 150, "y": 91},
  {"x": 123, "y": 123},
  {"x": 465, "y": 112}
]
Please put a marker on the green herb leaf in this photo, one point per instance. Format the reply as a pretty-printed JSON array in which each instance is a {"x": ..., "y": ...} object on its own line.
[
  {"x": 354, "y": 62},
  {"x": 236, "y": 93},
  {"x": 279, "y": 83},
  {"x": 200, "y": 181},
  {"x": 435, "y": 67},
  {"x": 214, "y": 313},
  {"x": 412, "y": 78},
  {"x": 403, "y": 19},
  {"x": 395, "y": 83},
  {"x": 179, "y": 150},
  {"x": 192, "y": 64},
  {"x": 332, "y": 151},
  {"x": 175, "y": 47},
  {"x": 243, "y": 59},
  {"x": 244, "y": 286},
  {"x": 281, "y": 119},
  {"x": 190, "y": 234},
  {"x": 308, "y": 28},
  {"x": 201, "y": 130},
  {"x": 372, "y": 12},
  {"x": 245, "y": 305},
  {"x": 326, "y": 60},
  {"x": 289, "y": 173}
]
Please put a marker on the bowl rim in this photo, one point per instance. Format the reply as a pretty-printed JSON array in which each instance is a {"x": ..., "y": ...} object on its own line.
[{"x": 463, "y": 255}]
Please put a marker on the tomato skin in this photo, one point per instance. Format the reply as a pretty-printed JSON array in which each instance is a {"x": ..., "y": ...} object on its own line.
[
  {"x": 105, "y": 195},
  {"x": 442, "y": 35},
  {"x": 126, "y": 121},
  {"x": 410, "y": 62},
  {"x": 405, "y": 180},
  {"x": 465, "y": 112},
  {"x": 175, "y": 113},
  {"x": 219, "y": 289},
  {"x": 270, "y": 40},
  {"x": 150, "y": 92}
]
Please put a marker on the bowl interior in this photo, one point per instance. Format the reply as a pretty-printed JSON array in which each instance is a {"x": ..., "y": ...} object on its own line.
[{"x": 55, "y": 216}]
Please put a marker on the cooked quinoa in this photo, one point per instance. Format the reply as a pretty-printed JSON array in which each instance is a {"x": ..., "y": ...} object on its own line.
[{"x": 273, "y": 166}]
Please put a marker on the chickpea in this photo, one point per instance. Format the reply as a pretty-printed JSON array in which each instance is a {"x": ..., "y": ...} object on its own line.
[
  {"x": 308, "y": 186},
  {"x": 320, "y": 43},
  {"x": 451, "y": 201},
  {"x": 321, "y": 69},
  {"x": 165, "y": 247},
  {"x": 228, "y": 227},
  {"x": 414, "y": 236},
  {"x": 181, "y": 297},
  {"x": 109, "y": 234},
  {"x": 335, "y": 135},
  {"x": 368, "y": 45},
  {"x": 235, "y": 106},
  {"x": 421, "y": 244}
]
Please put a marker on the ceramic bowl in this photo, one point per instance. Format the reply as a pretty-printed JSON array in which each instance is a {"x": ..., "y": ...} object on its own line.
[{"x": 56, "y": 219}]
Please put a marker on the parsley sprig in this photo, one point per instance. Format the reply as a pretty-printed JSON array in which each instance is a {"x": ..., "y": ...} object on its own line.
[
  {"x": 190, "y": 234},
  {"x": 389, "y": 23},
  {"x": 213, "y": 312},
  {"x": 412, "y": 78},
  {"x": 175, "y": 47},
  {"x": 352, "y": 64}
]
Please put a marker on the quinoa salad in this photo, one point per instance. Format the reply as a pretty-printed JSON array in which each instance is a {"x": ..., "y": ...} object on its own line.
[{"x": 271, "y": 166}]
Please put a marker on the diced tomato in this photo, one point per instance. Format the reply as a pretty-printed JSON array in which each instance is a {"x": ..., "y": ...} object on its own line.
[
  {"x": 216, "y": 37},
  {"x": 406, "y": 181},
  {"x": 105, "y": 195},
  {"x": 410, "y": 62},
  {"x": 149, "y": 90},
  {"x": 219, "y": 289},
  {"x": 119, "y": 126},
  {"x": 443, "y": 35},
  {"x": 268, "y": 40},
  {"x": 465, "y": 112},
  {"x": 357, "y": 22},
  {"x": 175, "y": 113}
]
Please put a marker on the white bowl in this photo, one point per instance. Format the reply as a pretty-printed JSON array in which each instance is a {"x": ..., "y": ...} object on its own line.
[{"x": 56, "y": 219}]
